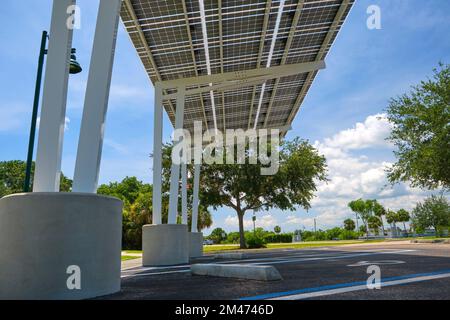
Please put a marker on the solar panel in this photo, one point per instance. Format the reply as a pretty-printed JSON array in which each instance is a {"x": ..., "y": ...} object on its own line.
[{"x": 170, "y": 41}]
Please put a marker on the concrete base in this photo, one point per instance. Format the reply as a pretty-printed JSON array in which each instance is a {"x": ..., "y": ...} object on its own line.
[
  {"x": 196, "y": 244},
  {"x": 165, "y": 244},
  {"x": 46, "y": 237},
  {"x": 239, "y": 271}
]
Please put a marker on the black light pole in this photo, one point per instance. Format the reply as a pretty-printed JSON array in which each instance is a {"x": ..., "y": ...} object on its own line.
[
  {"x": 74, "y": 69},
  {"x": 37, "y": 93}
]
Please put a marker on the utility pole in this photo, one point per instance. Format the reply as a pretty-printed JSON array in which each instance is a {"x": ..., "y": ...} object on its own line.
[
  {"x": 254, "y": 222},
  {"x": 315, "y": 225}
]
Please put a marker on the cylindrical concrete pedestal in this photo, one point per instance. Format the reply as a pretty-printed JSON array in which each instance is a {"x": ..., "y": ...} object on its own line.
[
  {"x": 165, "y": 244},
  {"x": 196, "y": 244},
  {"x": 59, "y": 246}
]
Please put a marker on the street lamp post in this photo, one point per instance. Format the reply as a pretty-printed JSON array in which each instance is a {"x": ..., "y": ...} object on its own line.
[{"x": 74, "y": 69}]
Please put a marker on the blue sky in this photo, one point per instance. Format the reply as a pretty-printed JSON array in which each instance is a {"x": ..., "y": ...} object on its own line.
[{"x": 342, "y": 114}]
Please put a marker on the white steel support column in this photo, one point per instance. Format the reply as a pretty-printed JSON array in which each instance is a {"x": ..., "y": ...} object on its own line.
[
  {"x": 157, "y": 155},
  {"x": 96, "y": 101},
  {"x": 195, "y": 200},
  {"x": 184, "y": 208},
  {"x": 53, "y": 114},
  {"x": 175, "y": 169}
]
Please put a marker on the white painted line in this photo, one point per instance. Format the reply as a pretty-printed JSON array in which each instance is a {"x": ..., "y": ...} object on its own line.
[
  {"x": 153, "y": 273},
  {"x": 378, "y": 263},
  {"x": 325, "y": 257},
  {"x": 329, "y": 254},
  {"x": 139, "y": 269},
  {"x": 359, "y": 287},
  {"x": 331, "y": 257}
]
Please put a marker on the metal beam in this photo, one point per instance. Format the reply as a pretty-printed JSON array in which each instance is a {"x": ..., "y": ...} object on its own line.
[
  {"x": 258, "y": 61},
  {"x": 208, "y": 63},
  {"x": 246, "y": 75},
  {"x": 175, "y": 169},
  {"x": 51, "y": 130},
  {"x": 130, "y": 9},
  {"x": 188, "y": 30},
  {"x": 184, "y": 208},
  {"x": 319, "y": 57},
  {"x": 231, "y": 80},
  {"x": 195, "y": 198},
  {"x": 269, "y": 58},
  {"x": 157, "y": 156},
  {"x": 295, "y": 20},
  {"x": 219, "y": 4},
  {"x": 90, "y": 145}
]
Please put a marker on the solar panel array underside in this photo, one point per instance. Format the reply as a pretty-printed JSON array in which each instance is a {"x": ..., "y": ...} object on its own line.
[{"x": 168, "y": 37}]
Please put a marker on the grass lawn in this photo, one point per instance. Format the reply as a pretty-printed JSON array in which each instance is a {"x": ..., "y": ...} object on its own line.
[
  {"x": 125, "y": 258},
  {"x": 298, "y": 245},
  {"x": 308, "y": 244},
  {"x": 132, "y": 251}
]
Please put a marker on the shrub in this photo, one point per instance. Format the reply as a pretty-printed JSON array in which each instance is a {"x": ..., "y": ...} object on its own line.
[
  {"x": 254, "y": 241},
  {"x": 334, "y": 233},
  {"x": 348, "y": 235},
  {"x": 278, "y": 238},
  {"x": 232, "y": 237}
]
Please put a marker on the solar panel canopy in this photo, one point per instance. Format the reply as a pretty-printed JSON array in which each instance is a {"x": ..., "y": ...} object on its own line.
[{"x": 241, "y": 35}]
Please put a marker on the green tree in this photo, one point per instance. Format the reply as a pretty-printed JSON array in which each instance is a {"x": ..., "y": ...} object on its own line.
[
  {"x": 379, "y": 211},
  {"x": 363, "y": 229},
  {"x": 391, "y": 218},
  {"x": 243, "y": 188},
  {"x": 349, "y": 224},
  {"x": 433, "y": 212},
  {"x": 374, "y": 223},
  {"x": 218, "y": 235},
  {"x": 403, "y": 216},
  {"x": 137, "y": 198},
  {"x": 364, "y": 208},
  {"x": 277, "y": 229},
  {"x": 128, "y": 189},
  {"x": 12, "y": 178},
  {"x": 421, "y": 133}
]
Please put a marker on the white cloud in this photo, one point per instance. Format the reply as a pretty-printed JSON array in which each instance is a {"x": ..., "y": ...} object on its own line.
[
  {"x": 371, "y": 133},
  {"x": 353, "y": 172},
  {"x": 267, "y": 222},
  {"x": 355, "y": 175}
]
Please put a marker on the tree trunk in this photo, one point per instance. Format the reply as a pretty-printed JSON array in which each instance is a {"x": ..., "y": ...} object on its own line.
[
  {"x": 242, "y": 244},
  {"x": 404, "y": 228},
  {"x": 382, "y": 225},
  {"x": 436, "y": 231}
]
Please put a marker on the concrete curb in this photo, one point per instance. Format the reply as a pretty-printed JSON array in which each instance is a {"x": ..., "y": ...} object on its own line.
[
  {"x": 230, "y": 255},
  {"x": 446, "y": 241},
  {"x": 239, "y": 271}
]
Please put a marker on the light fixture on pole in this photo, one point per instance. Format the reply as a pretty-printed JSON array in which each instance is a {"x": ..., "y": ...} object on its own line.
[{"x": 75, "y": 68}]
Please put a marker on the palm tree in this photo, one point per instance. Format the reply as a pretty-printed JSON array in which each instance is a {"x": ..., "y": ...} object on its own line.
[
  {"x": 391, "y": 218},
  {"x": 363, "y": 208},
  {"x": 403, "y": 216},
  {"x": 379, "y": 211}
]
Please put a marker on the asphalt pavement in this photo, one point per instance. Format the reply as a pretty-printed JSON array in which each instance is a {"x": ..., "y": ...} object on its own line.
[{"x": 407, "y": 271}]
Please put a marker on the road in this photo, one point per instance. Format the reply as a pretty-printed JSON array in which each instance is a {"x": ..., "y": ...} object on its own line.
[{"x": 408, "y": 271}]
